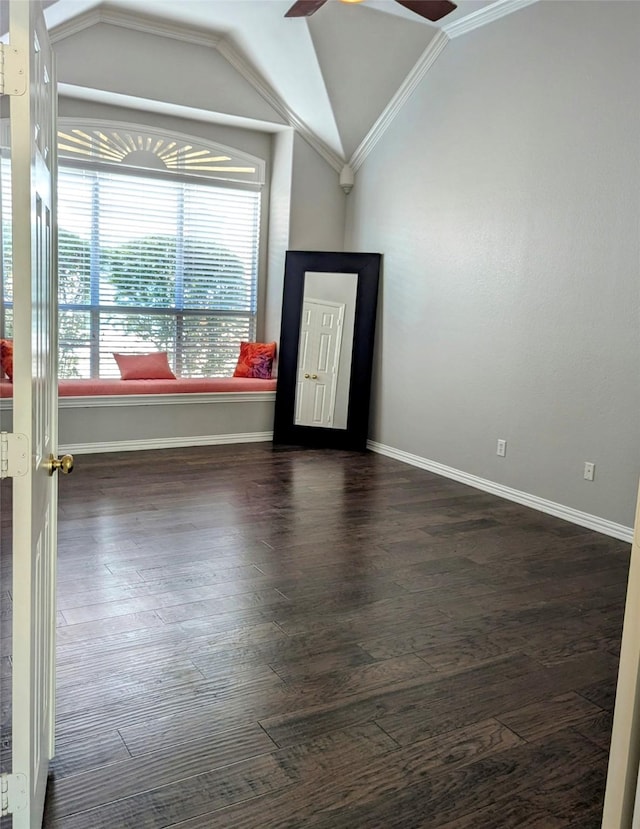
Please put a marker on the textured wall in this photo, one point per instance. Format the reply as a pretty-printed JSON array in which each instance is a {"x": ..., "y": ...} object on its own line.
[
  {"x": 156, "y": 68},
  {"x": 79, "y": 427},
  {"x": 506, "y": 201},
  {"x": 317, "y": 202}
]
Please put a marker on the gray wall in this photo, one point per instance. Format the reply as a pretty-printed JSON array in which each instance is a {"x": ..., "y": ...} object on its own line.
[
  {"x": 158, "y": 69},
  {"x": 307, "y": 213},
  {"x": 318, "y": 204},
  {"x": 305, "y": 208},
  {"x": 506, "y": 201},
  {"x": 111, "y": 428}
]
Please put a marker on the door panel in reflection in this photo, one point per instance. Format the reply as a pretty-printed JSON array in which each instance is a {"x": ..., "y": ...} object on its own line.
[
  {"x": 318, "y": 362},
  {"x": 325, "y": 348}
]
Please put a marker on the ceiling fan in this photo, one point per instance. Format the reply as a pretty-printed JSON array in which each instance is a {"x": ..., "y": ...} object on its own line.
[{"x": 430, "y": 9}]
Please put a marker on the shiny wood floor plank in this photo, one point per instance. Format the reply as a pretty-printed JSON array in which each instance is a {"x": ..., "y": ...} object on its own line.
[{"x": 257, "y": 637}]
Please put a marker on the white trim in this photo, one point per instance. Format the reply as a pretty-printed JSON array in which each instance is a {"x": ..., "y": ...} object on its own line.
[
  {"x": 164, "y": 443},
  {"x": 139, "y": 23},
  {"x": 275, "y": 101},
  {"x": 425, "y": 62},
  {"x": 75, "y": 25},
  {"x": 482, "y": 17},
  {"x": 196, "y": 36},
  {"x": 108, "y": 400},
  {"x": 472, "y": 21},
  {"x": 583, "y": 519},
  {"x": 621, "y": 799},
  {"x": 207, "y": 116}
]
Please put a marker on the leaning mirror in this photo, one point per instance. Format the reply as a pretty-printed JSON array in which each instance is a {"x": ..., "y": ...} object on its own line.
[{"x": 326, "y": 348}]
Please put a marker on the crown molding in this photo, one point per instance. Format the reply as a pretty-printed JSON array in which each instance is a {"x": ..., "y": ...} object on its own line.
[
  {"x": 475, "y": 20},
  {"x": 76, "y": 24},
  {"x": 425, "y": 62},
  {"x": 230, "y": 53},
  {"x": 138, "y": 23},
  {"x": 472, "y": 21},
  {"x": 187, "y": 34},
  {"x": 482, "y": 17}
]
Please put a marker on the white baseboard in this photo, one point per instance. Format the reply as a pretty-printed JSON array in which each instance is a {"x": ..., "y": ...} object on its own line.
[
  {"x": 164, "y": 443},
  {"x": 583, "y": 519}
]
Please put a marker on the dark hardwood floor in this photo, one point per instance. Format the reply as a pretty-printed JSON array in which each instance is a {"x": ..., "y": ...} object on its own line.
[{"x": 257, "y": 637}]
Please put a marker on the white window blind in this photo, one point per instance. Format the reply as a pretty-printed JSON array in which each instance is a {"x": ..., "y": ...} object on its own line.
[{"x": 154, "y": 264}]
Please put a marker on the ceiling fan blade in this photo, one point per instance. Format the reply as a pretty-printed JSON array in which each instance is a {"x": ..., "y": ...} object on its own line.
[
  {"x": 305, "y": 8},
  {"x": 431, "y": 9}
]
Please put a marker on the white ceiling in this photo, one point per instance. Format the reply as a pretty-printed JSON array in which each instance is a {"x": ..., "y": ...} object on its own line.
[{"x": 334, "y": 72}]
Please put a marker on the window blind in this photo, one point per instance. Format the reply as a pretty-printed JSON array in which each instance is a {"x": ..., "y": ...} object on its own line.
[{"x": 153, "y": 264}]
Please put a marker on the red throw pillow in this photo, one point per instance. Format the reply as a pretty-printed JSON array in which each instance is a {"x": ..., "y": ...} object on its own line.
[
  {"x": 153, "y": 366},
  {"x": 6, "y": 357},
  {"x": 255, "y": 360}
]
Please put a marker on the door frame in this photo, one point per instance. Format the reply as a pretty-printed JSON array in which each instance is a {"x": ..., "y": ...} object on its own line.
[
  {"x": 621, "y": 805},
  {"x": 33, "y": 179}
]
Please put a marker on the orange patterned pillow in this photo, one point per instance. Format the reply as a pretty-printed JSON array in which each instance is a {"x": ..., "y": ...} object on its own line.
[
  {"x": 255, "y": 360},
  {"x": 6, "y": 357}
]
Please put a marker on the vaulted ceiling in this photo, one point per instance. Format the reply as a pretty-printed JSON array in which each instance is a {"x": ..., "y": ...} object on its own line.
[{"x": 337, "y": 75}]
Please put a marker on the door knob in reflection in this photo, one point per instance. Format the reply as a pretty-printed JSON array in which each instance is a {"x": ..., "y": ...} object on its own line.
[{"x": 64, "y": 464}]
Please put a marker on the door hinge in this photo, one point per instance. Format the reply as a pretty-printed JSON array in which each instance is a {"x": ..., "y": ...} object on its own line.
[
  {"x": 14, "y": 455},
  {"x": 13, "y": 793},
  {"x": 13, "y": 70}
]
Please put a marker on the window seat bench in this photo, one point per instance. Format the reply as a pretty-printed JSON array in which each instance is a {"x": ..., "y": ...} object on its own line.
[
  {"x": 119, "y": 415},
  {"x": 183, "y": 385}
]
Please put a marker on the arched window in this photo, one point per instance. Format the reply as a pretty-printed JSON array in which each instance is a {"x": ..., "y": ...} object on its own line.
[
  {"x": 127, "y": 145},
  {"x": 157, "y": 249}
]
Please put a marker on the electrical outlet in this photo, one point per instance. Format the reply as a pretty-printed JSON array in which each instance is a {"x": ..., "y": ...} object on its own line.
[
  {"x": 502, "y": 448},
  {"x": 589, "y": 470}
]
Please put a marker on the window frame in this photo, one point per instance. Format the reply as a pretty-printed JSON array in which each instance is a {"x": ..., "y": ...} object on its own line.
[
  {"x": 95, "y": 309},
  {"x": 222, "y": 179}
]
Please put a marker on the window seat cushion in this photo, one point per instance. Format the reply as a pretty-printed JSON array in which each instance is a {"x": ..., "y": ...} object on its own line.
[{"x": 183, "y": 385}]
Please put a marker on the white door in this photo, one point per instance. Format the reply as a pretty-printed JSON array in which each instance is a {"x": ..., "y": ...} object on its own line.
[
  {"x": 32, "y": 128},
  {"x": 318, "y": 359},
  {"x": 621, "y": 805}
]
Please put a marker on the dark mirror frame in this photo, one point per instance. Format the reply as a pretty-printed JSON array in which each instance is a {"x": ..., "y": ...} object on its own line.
[{"x": 367, "y": 268}]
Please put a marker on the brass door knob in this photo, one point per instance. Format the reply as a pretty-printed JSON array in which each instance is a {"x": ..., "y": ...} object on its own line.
[
  {"x": 64, "y": 464},
  {"x": 314, "y": 376},
  {"x": 306, "y": 377}
]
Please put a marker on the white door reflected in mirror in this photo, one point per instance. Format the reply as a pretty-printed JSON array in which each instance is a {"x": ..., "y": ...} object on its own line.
[
  {"x": 318, "y": 362},
  {"x": 324, "y": 350}
]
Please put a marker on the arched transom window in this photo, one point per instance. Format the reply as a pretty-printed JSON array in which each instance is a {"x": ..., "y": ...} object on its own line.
[
  {"x": 157, "y": 249},
  {"x": 145, "y": 148}
]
